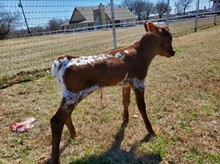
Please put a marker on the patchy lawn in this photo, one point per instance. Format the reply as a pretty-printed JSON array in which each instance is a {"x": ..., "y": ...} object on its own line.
[{"x": 183, "y": 100}]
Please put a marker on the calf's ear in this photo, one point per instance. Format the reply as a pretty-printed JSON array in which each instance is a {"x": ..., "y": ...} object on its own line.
[{"x": 151, "y": 28}]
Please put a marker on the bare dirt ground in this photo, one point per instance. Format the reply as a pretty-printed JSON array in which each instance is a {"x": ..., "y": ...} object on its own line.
[{"x": 183, "y": 100}]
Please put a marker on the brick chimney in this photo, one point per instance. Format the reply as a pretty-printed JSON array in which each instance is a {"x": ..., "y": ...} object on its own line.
[{"x": 102, "y": 14}]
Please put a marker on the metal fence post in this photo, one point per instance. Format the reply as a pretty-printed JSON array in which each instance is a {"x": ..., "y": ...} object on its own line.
[
  {"x": 167, "y": 19},
  {"x": 113, "y": 24},
  {"x": 216, "y": 7},
  {"x": 197, "y": 15}
]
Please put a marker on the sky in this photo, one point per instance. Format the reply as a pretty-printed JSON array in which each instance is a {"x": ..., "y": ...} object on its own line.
[{"x": 39, "y": 12}]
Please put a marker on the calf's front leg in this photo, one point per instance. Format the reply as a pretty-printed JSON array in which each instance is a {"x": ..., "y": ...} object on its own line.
[
  {"x": 126, "y": 101},
  {"x": 139, "y": 93}
]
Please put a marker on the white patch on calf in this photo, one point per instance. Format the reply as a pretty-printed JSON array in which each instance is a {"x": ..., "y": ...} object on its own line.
[
  {"x": 120, "y": 56},
  {"x": 58, "y": 69},
  {"x": 126, "y": 51},
  {"x": 74, "y": 97},
  {"x": 88, "y": 59},
  {"x": 137, "y": 84}
]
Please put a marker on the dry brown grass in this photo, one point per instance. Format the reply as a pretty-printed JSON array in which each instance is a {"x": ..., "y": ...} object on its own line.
[{"x": 183, "y": 100}]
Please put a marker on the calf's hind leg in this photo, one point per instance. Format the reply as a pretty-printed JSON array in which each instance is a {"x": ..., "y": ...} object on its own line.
[
  {"x": 57, "y": 122},
  {"x": 63, "y": 116}
]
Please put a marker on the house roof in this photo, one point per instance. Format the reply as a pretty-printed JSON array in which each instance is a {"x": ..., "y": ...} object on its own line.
[
  {"x": 121, "y": 13},
  {"x": 90, "y": 13}
]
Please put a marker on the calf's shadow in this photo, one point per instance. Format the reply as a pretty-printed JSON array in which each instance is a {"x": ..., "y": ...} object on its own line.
[{"x": 116, "y": 155}]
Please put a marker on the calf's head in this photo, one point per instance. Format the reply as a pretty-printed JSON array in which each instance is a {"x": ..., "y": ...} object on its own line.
[{"x": 164, "y": 39}]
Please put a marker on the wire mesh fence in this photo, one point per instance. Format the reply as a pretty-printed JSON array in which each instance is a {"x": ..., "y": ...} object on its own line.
[{"x": 41, "y": 30}]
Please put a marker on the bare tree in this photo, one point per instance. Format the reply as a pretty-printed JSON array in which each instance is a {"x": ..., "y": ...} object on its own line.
[
  {"x": 129, "y": 4},
  {"x": 178, "y": 8},
  {"x": 184, "y": 4},
  {"x": 161, "y": 8},
  {"x": 7, "y": 21},
  {"x": 141, "y": 8},
  {"x": 149, "y": 9},
  {"x": 37, "y": 29},
  {"x": 54, "y": 24}
]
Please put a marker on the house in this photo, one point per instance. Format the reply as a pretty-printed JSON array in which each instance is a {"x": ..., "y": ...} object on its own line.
[{"x": 100, "y": 15}]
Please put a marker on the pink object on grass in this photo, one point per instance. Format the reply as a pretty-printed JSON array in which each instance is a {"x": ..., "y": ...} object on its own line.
[{"x": 22, "y": 126}]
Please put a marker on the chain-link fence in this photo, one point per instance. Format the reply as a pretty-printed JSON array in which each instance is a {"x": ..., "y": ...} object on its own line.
[{"x": 34, "y": 32}]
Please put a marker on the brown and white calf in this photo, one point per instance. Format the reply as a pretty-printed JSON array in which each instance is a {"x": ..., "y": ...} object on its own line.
[{"x": 127, "y": 67}]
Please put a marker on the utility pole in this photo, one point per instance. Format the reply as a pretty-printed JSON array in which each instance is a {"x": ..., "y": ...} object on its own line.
[
  {"x": 113, "y": 24},
  {"x": 21, "y": 6}
]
